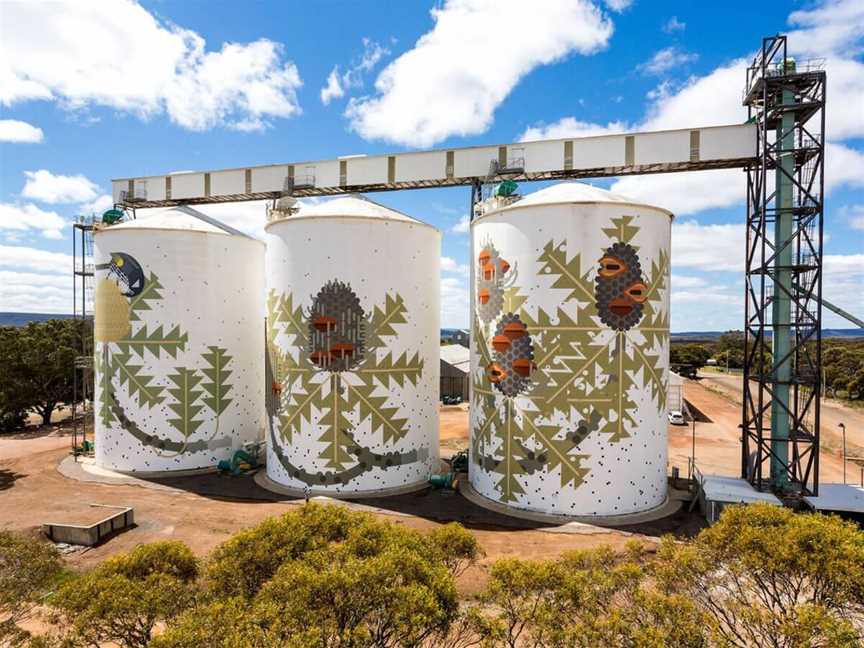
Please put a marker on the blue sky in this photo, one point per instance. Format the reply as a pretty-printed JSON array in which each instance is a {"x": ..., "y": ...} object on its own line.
[{"x": 114, "y": 89}]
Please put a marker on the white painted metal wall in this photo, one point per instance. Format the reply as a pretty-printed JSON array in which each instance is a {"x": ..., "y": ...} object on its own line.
[
  {"x": 379, "y": 256},
  {"x": 203, "y": 294},
  {"x": 586, "y": 435}
]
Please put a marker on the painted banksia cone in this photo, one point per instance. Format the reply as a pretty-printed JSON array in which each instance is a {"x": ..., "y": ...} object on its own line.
[{"x": 337, "y": 328}]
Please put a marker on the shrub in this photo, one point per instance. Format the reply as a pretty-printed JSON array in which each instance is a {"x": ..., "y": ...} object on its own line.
[
  {"x": 327, "y": 576},
  {"x": 766, "y": 576},
  {"x": 28, "y": 570},
  {"x": 123, "y": 599}
]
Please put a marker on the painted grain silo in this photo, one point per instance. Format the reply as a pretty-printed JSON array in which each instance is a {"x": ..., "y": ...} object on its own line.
[
  {"x": 353, "y": 330},
  {"x": 569, "y": 352},
  {"x": 179, "y": 332}
]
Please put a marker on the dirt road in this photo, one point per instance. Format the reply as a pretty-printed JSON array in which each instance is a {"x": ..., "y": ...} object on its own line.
[
  {"x": 718, "y": 446},
  {"x": 833, "y": 412}
]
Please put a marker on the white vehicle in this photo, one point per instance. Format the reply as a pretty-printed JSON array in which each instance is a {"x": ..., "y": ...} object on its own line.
[{"x": 676, "y": 418}]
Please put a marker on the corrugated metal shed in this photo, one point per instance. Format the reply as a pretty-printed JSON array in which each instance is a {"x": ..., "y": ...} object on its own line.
[{"x": 457, "y": 356}]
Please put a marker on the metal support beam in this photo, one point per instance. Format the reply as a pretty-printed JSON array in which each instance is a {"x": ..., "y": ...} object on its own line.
[{"x": 718, "y": 147}]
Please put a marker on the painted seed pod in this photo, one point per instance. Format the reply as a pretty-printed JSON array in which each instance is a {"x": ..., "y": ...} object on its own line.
[
  {"x": 337, "y": 328},
  {"x": 490, "y": 274},
  {"x": 510, "y": 372},
  {"x": 620, "y": 289}
]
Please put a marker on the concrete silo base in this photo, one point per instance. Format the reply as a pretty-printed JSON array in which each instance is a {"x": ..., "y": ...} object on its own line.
[
  {"x": 669, "y": 507},
  {"x": 264, "y": 481},
  {"x": 86, "y": 469}
]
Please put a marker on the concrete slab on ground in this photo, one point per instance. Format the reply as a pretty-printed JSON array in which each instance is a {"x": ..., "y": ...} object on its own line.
[
  {"x": 844, "y": 498},
  {"x": 734, "y": 490}
]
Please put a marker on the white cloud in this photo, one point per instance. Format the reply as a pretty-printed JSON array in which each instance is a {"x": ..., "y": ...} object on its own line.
[
  {"x": 571, "y": 127},
  {"x": 666, "y": 59},
  {"x": 711, "y": 100},
  {"x": 688, "y": 192},
  {"x": 831, "y": 27},
  {"x": 28, "y": 258},
  {"x": 29, "y": 292},
  {"x": 454, "y": 302},
  {"x": 844, "y": 110},
  {"x": 23, "y": 218},
  {"x": 843, "y": 166},
  {"x": 462, "y": 226},
  {"x": 19, "y": 132},
  {"x": 46, "y": 187},
  {"x": 98, "y": 206},
  {"x": 119, "y": 55},
  {"x": 338, "y": 83},
  {"x": 456, "y": 75},
  {"x": 854, "y": 214},
  {"x": 843, "y": 265},
  {"x": 618, "y": 5},
  {"x": 685, "y": 281},
  {"x": 449, "y": 264},
  {"x": 843, "y": 285},
  {"x": 714, "y": 248},
  {"x": 674, "y": 25},
  {"x": 333, "y": 89}
]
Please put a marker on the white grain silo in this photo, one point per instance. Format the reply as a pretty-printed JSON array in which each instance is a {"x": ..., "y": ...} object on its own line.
[
  {"x": 570, "y": 348},
  {"x": 179, "y": 331},
  {"x": 353, "y": 329}
]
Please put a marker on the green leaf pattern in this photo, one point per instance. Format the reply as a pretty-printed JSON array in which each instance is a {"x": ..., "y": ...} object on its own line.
[
  {"x": 186, "y": 396},
  {"x": 125, "y": 360},
  {"x": 217, "y": 386},
  {"x": 333, "y": 404}
]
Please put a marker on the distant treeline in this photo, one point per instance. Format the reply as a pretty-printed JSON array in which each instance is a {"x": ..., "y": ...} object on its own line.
[
  {"x": 842, "y": 361},
  {"x": 23, "y": 319}
]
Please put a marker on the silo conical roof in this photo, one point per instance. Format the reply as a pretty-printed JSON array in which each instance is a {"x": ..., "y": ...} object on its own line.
[
  {"x": 576, "y": 193},
  {"x": 181, "y": 218},
  {"x": 353, "y": 206}
]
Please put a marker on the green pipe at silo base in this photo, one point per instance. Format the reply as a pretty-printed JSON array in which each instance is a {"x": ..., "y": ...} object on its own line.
[{"x": 781, "y": 316}]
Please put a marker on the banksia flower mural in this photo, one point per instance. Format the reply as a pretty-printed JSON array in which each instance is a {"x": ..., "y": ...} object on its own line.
[
  {"x": 337, "y": 383},
  {"x": 620, "y": 288},
  {"x": 353, "y": 329},
  {"x": 569, "y": 372},
  {"x": 336, "y": 327},
  {"x": 176, "y": 353},
  {"x": 150, "y": 375}
]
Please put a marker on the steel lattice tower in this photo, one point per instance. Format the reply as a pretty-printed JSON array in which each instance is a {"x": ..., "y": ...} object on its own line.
[{"x": 783, "y": 284}]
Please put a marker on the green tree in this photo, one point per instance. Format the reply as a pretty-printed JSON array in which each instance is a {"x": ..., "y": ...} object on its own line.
[
  {"x": 688, "y": 358},
  {"x": 730, "y": 349},
  {"x": 28, "y": 570},
  {"x": 767, "y": 576},
  {"x": 15, "y": 396},
  {"x": 123, "y": 599},
  {"x": 49, "y": 350},
  {"x": 325, "y": 576},
  {"x": 37, "y": 362},
  {"x": 855, "y": 385}
]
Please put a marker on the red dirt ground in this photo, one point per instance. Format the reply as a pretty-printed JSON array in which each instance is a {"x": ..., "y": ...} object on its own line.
[{"x": 32, "y": 491}]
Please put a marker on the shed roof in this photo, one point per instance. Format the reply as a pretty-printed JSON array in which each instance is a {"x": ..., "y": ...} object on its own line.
[{"x": 456, "y": 356}]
